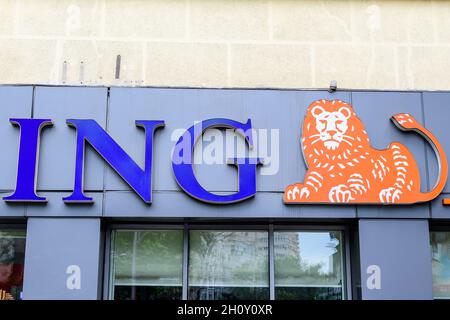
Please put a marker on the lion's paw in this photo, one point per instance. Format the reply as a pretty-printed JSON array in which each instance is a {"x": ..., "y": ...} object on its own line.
[
  {"x": 390, "y": 195},
  {"x": 296, "y": 192},
  {"x": 340, "y": 193}
]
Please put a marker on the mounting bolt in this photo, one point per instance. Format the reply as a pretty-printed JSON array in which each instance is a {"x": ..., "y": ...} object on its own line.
[{"x": 333, "y": 86}]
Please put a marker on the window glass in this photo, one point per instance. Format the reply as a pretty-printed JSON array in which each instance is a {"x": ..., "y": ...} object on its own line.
[
  {"x": 308, "y": 265},
  {"x": 227, "y": 265},
  {"x": 12, "y": 256},
  {"x": 440, "y": 243},
  {"x": 147, "y": 264}
]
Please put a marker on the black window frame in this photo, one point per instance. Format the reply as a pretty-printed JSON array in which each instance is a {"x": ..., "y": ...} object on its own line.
[
  {"x": 19, "y": 226},
  {"x": 438, "y": 226},
  {"x": 349, "y": 259}
]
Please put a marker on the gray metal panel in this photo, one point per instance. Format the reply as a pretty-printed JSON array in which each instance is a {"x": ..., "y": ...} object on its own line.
[
  {"x": 54, "y": 244},
  {"x": 375, "y": 110},
  {"x": 11, "y": 209},
  {"x": 178, "y": 204},
  {"x": 268, "y": 109},
  {"x": 437, "y": 115},
  {"x": 180, "y": 108},
  {"x": 15, "y": 102},
  {"x": 401, "y": 248},
  {"x": 285, "y": 111},
  {"x": 57, "y": 208},
  {"x": 58, "y": 144},
  {"x": 439, "y": 211},
  {"x": 394, "y": 211}
]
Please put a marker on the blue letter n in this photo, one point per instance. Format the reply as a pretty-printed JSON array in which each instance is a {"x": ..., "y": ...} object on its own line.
[{"x": 90, "y": 131}]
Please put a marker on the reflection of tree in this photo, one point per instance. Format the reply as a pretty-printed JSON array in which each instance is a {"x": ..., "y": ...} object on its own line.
[
  {"x": 7, "y": 250},
  {"x": 335, "y": 239},
  {"x": 150, "y": 254},
  {"x": 290, "y": 268},
  {"x": 308, "y": 293}
]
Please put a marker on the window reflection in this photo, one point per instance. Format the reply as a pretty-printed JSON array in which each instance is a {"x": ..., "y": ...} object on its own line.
[
  {"x": 228, "y": 265},
  {"x": 308, "y": 265},
  {"x": 12, "y": 256},
  {"x": 440, "y": 243},
  {"x": 147, "y": 264}
]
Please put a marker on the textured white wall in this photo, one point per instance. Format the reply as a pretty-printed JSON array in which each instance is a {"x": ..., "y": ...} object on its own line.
[{"x": 226, "y": 43}]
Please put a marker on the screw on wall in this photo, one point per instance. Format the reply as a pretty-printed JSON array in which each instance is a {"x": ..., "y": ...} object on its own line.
[
  {"x": 81, "y": 72},
  {"x": 333, "y": 86},
  {"x": 118, "y": 60},
  {"x": 64, "y": 72}
]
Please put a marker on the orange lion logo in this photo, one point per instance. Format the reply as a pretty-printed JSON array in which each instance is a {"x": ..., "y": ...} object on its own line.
[{"x": 344, "y": 168}]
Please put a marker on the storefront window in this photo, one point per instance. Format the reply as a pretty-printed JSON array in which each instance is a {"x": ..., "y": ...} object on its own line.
[
  {"x": 147, "y": 264},
  {"x": 227, "y": 265},
  {"x": 440, "y": 243},
  {"x": 308, "y": 265},
  {"x": 12, "y": 256}
]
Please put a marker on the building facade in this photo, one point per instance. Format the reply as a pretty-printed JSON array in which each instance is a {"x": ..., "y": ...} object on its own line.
[{"x": 119, "y": 119}]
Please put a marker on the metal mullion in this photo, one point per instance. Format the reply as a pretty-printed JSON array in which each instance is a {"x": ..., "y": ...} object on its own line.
[
  {"x": 184, "y": 289},
  {"x": 13, "y": 226},
  {"x": 309, "y": 227},
  {"x": 108, "y": 272},
  {"x": 439, "y": 228},
  {"x": 228, "y": 227},
  {"x": 271, "y": 263},
  {"x": 146, "y": 226},
  {"x": 347, "y": 265}
]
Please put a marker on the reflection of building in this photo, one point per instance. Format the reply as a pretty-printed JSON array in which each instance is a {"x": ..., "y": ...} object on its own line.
[
  {"x": 335, "y": 263},
  {"x": 225, "y": 257},
  {"x": 232, "y": 245},
  {"x": 287, "y": 245},
  {"x": 226, "y": 262},
  {"x": 441, "y": 264},
  {"x": 442, "y": 246}
]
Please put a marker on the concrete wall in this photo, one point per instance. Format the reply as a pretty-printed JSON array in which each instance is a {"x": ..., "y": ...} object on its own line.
[{"x": 225, "y": 43}]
